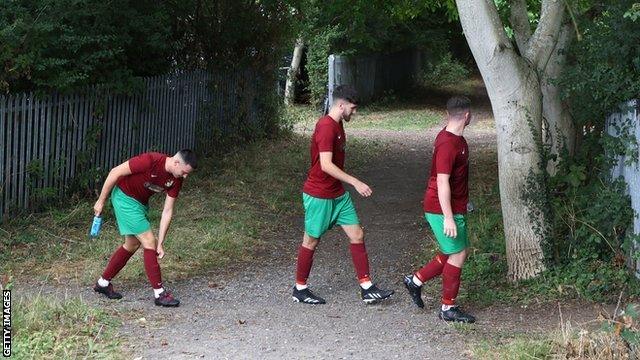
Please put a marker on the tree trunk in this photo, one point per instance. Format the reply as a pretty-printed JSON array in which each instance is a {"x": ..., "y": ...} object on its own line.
[
  {"x": 560, "y": 131},
  {"x": 516, "y": 99},
  {"x": 289, "y": 89}
]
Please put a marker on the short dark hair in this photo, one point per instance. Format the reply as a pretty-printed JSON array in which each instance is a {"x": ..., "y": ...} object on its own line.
[
  {"x": 458, "y": 105},
  {"x": 346, "y": 92},
  {"x": 189, "y": 157}
]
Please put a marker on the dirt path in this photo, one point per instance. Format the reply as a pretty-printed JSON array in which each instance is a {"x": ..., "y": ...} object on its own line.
[{"x": 247, "y": 312}]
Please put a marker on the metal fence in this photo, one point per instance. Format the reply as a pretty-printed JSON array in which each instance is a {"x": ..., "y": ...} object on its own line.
[
  {"x": 373, "y": 75},
  {"x": 47, "y": 141},
  {"x": 626, "y": 122}
]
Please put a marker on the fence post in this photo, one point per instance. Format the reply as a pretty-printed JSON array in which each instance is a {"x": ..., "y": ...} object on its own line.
[{"x": 331, "y": 84}]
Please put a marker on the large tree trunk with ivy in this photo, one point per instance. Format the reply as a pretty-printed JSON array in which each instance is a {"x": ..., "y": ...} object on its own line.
[
  {"x": 514, "y": 84},
  {"x": 289, "y": 90}
]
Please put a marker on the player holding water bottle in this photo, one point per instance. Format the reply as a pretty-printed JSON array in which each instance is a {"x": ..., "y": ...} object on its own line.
[{"x": 130, "y": 185}]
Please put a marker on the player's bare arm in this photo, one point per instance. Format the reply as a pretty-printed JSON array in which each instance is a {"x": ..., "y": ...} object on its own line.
[
  {"x": 444, "y": 196},
  {"x": 165, "y": 221},
  {"x": 330, "y": 168}
]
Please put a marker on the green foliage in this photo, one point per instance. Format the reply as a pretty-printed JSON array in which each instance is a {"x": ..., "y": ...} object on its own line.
[
  {"x": 364, "y": 27},
  {"x": 214, "y": 34},
  {"x": 319, "y": 49},
  {"x": 586, "y": 219},
  {"x": 66, "y": 44},
  {"x": 444, "y": 71},
  {"x": 604, "y": 68}
]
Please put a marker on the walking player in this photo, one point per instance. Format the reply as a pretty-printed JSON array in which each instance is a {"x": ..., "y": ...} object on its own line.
[
  {"x": 133, "y": 183},
  {"x": 445, "y": 205},
  {"x": 326, "y": 203}
]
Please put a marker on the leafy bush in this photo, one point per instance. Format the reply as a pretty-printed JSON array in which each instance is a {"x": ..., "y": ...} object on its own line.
[{"x": 444, "y": 71}]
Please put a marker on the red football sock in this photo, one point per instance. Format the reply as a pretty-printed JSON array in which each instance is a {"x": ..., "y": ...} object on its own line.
[
  {"x": 305, "y": 260},
  {"x": 360, "y": 261},
  {"x": 450, "y": 283},
  {"x": 116, "y": 263},
  {"x": 152, "y": 268},
  {"x": 433, "y": 268}
]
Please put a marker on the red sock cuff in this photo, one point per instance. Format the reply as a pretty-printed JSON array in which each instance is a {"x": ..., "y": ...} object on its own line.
[{"x": 358, "y": 247}]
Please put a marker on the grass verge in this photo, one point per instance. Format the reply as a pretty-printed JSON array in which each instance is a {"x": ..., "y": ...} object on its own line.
[
  {"x": 47, "y": 328},
  {"x": 518, "y": 348},
  {"x": 406, "y": 117}
]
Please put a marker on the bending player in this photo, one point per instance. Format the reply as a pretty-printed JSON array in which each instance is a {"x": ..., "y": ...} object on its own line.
[
  {"x": 130, "y": 185},
  {"x": 326, "y": 203},
  {"x": 445, "y": 205}
]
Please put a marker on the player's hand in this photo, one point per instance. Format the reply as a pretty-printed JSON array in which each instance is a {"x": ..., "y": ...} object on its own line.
[
  {"x": 363, "y": 189},
  {"x": 450, "y": 228},
  {"x": 97, "y": 207},
  {"x": 160, "y": 251}
]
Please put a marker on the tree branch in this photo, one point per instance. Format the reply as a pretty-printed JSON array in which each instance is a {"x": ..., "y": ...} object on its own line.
[
  {"x": 556, "y": 61},
  {"x": 519, "y": 20},
  {"x": 541, "y": 44}
]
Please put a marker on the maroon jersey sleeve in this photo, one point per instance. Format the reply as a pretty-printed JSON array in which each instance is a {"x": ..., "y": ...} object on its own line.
[
  {"x": 325, "y": 137},
  {"x": 175, "y": 189},
  {"x": 445, "y": 158},
  {"x": 140, "y": 163}
]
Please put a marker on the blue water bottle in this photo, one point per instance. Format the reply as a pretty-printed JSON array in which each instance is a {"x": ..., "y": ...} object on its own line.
[{"x": 95, "y": 226}]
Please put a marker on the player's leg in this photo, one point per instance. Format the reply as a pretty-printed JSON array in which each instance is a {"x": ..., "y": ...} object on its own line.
[
  {"x": 456, "y": 248},
  {"x": 316, "y": 222},
  {"x": 301, "y": 292},
  {"x": 305, "y": 260},
  {"x": 152, "y": 268},
  {"x": 117, "y": 261},
  {"x": 130, "y": 216},
  {"x": 345, "y": 215},
  {"x": 414, "y": 282}
]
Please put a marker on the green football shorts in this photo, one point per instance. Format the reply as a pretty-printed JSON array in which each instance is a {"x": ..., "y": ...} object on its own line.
[
  {"x": 131, "y": 215},
  {"x": 447, "y": 244},
  {"x": 321, "y": 215}
]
